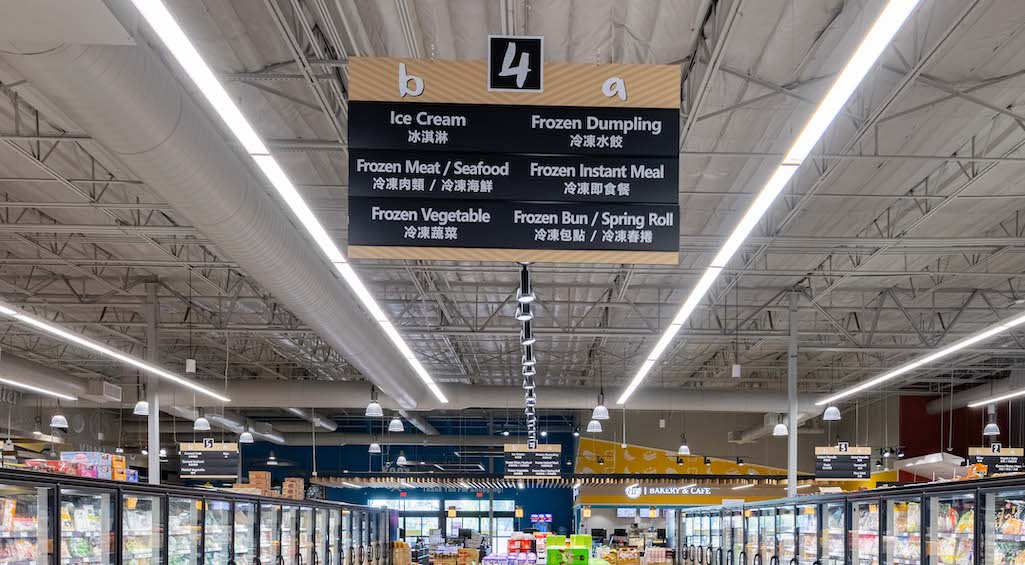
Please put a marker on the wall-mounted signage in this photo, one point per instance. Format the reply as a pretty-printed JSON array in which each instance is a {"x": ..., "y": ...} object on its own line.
[
  {"x": 541, "y": 462},
  {"x": 843, "y": 462},
  {"x": 998, "y": 459},
  {"x": 208, "y": 460},
  {"x": 637, "y": 491},
  {"x": 540, "y": 518},
  {"x": 510, "y": 159}
]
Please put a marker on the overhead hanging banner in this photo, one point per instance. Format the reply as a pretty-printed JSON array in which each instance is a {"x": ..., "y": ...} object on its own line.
[
  {"x": 502, "y": 159},
  {"x": 541, "y": 462},
  {"x": 208, "y": 460},
  {"x": 998, "y": 459},
  {"x": 843, "y": 462}
]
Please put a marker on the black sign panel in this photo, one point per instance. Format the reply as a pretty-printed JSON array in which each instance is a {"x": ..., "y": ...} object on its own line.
[
  {"x": 523, "y": 463},
  {"x": 1000, "y": 463},
  {"x": 471, "y": 176},
  {"x": 512, "y": 225},
  {"x": 218, "y": 461},
  {"x": 843, "y": 462},
  {"x": 415, "y": 126},
  {"x": 516, "y": 63}
]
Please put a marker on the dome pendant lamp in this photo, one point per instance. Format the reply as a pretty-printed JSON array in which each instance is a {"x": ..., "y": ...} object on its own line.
[{"x": 780, "y": 429}]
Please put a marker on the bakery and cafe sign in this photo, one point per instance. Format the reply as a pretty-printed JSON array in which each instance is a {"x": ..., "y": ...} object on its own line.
[
  {"x": 634, "y": 492},
  {"x": 513, "y": 159}
]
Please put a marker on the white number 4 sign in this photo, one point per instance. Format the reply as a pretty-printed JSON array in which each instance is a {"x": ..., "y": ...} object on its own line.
[{"x": 515, "y": 63}]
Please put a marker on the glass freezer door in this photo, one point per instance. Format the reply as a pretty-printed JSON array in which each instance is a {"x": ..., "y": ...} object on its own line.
[
  {"x": 786, "y": 536},
  {"x": 347, "y": 539},
  {"x": 375, "y": 537},
  {"x": 245, "y": 532},
  {"x": 183, "y": 541},
  {"x": 1004, "y": 525},
  {"x": 26, "y": 531},
  {"x": 87, "y": 526},
  {"x": 217, "y": 532},
  {"x": 305, "y": 535},
  {"x": 289, "y": 540},
  {"x": 334, "y": 547},
  {"x": 903, "y": 535},
  {"x": 270, "y": 533},
  {"x": 736, "y": 537},
  {"x": 950, "y": 533},
  {"x": 766, "y": 535},
  {"x": 865, "y": 533},
  {"x": 142, "y": 529},
  {"x": 834, "y": 528},
  {"x": 751, "y": 545},
  {"x": 320, "y": 536},
  {"x": 807, "y": 534}
]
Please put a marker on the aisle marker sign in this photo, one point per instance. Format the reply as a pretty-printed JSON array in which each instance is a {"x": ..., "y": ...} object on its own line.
[
  {"x": 998, "y": 459},
  {"x": 513, "y": 159},
  {"x": 843, "y": 462},
  {"x": 208, "y": 460},
  {"x": 541, "y": 462}
]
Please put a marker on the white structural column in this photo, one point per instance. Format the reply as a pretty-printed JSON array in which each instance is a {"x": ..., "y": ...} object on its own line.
[
  {"x": 152, "y": 382},
  {"x": 792, "y": 399}
]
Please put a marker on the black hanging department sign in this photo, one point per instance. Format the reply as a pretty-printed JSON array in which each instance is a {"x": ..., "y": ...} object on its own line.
[
  {"x": 510, "y": 137},
  {"x": 843, "y": 462},
  {"x": 998, "y": 459},
  {"x": 541, "y": 462},
  {"x": 208, "y": 460}
]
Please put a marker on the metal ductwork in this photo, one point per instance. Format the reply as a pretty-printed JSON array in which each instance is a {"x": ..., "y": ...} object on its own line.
[
  {"x": 764, "y": 429},
  {"x": 19, "y": 369},
  {"x": 305, "y": 438},
  {"x": 1013, "y": 383},
  {"x": 128, "y": 100},
  {"x": 229, "y": 421},
  {"x": 312, "y": 418},
  {"x": 340, "y": 395},
  {"x": 419, "y": 423}
]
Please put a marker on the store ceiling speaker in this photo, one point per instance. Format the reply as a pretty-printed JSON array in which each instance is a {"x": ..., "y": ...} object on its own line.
[
  {"x": 190, "y": 365},
  {"x": 594, "y": 427},
  {"x": 736, "y": 371},
  {"x": 832, "y": 414},
  {"x": 396, "y": 425}
]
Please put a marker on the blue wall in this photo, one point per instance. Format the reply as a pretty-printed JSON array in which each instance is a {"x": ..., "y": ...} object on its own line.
[{"x": 297, "y": 461}]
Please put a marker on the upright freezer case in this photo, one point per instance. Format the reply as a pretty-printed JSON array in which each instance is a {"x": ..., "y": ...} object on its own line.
[
  {"x": 305, "y": 535},
  {"x": 142, "y": 529},
  {"x": 786, "y": 534},
  {"x": 834, "y": 528},
  {"x": 26, "y": 531},
  {"x": 766, "y": 535},
  {"x": 244, "y": 533},
  {"x": 270, "y": 533},
  {"x": 950, "y": 532},
  {"x": 736, "y": 525},
  {"x": 807, "y": 534},
  {"x": 864, "y": 533},
  {"x": 217, "y": 532},
  {"x": 184, "y": 531},
  {"x": 751, "y": 540},
  {"x": 289, "y": 537},
  {"x": 87, "y": 526},
  {"x": 903, "y": 534},
  {"x": 1004, "y": 527}
]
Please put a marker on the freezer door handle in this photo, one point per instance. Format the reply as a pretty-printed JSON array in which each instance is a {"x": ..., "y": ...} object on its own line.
[
  {"x": 718, "y": 556},
  {"x": 758, "y": 559},
  {"x": 256, "y": 561},
  {"x": 772, "y": 560},
  {"x": 729, "y": 556}
]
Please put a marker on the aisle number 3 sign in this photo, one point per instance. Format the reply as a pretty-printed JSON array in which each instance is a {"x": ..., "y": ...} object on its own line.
[{"x": 515, "y": 64}]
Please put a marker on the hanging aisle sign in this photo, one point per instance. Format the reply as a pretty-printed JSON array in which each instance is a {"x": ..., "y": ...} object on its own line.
[
  {"x": 208, "y": 460},
  {"x": 513, "y": 159},
  {"x": 842, "y": 461},
  {"x": 998, "y": 459},
  {"x": 541, "y": 462}
]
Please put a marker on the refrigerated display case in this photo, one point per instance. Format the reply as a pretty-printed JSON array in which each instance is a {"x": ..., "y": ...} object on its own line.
[
  {"x": 348, "y": 544},
  {"x": 834, "y": 528},
  {"x": 736, "y": 526},
  {"x": 807, "y": 519},
  {"x": 320, "y": 536},
  {"x": 142, "y": 529},
  {"x": 270, "y": 532},
  {"x": 334, "y": 542},
  {"x": 244, "y": 538},
  {"x": 289, "y": 535},
  {"x": 751, "y": 543},
  {"x": 864, "y": 532},
  {"x": 184, "y": 531},
  {"x": 950, "y": 531},
  {"x": 87, "y": 526},
  {"x": 902, "y": 538},
  {"x": 1004, "y": 531},
  {"x": 305, "y": 536},
  {"x": 786, "y": 534},
  {"x": 217, "y": 532},
  {"x": 26, "y": 531},
  {"x": 766, "y": 535},
  {"x": 715, "y": 530}
]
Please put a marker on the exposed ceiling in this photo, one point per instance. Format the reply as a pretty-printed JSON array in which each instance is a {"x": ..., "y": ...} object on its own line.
[{"x": 902, "y": 233}]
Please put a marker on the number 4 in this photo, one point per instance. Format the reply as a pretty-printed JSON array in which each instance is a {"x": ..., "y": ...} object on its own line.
[{"x": 519, "y": 71}]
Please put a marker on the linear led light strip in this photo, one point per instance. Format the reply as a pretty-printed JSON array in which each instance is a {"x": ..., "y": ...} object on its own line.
[
  {"x": 165, "y": 26},
  {"x": 868, "y": 52},
  {"x": 939, "y": 354},
  {"x": 83, "y": 341}
]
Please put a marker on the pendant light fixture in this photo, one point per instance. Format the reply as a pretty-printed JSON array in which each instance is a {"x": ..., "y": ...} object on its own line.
[
  {"x": 401, "y": 459},
  {"x": 832, "y": 414},
  {"x": 684, "y": 448},
  {"x": 991, "y": 429},
  {"x": 246, "y": 437},
  {"x": 374, "y": 409},
  {"x": 272, "y": 461},
  {"x": 201, "y": 424},
  {"x": 600, "y": 412},
  {"x": 594, "y": 427},
  {"x": 396, "y": 425},
  {"x": 780, "y": 429},
  {"x": 576, "y": 432},
  {"x": 58, "y": 421},
  {"x": 525, "y": 294},
  {"x": 141, "y": 407},
  {"x": 374, "y": 448},
  {"x": 119, "y": 450}
]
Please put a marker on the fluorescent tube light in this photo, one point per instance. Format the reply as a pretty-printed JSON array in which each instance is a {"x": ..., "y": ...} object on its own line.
[
  {"x": 103, "y": 349},
  {"x": 351, "y": 485},
  {"x": 174, "y": 38},
  {"x": 692, "y": 485},
  {"x": 941, "y": 353},
  {"x": 865, "y": 56},
  {"x": 39, "y": 390},
  {"x": 742, "y": 487}
]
